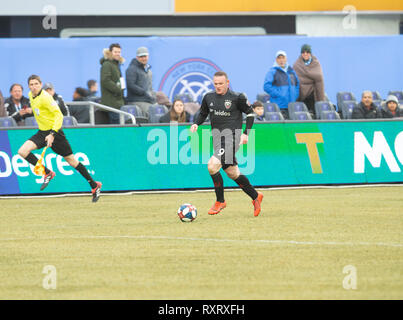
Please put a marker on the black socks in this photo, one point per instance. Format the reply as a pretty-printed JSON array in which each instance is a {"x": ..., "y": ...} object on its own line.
[
  {"x": 84, "y": 172},
  {"x": 245, "y": 185},
  {"x": 32, "y": 159},
  {"x": 218, "y": 186},
  {"x": 242, "y": 181}
]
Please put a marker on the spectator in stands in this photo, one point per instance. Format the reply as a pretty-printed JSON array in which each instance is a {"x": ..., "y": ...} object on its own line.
[
  {"x": 139, "y": 81},
  {"x": 310, "y": 75},
  {"x": 17, "y": 106},
  {"x": 281, "y": 83},
  {"x": 58, "y": 98},
  {"x": 366, "y": 109},
  {"x": 82, "y": 112},
  {"x": 392, "y": 109},
  {"x": 2, "y": 109},
  {"x": 258, "y": 108},
  {"x": 80, "y": 94},
  {"x": 93, "y": 91},
  {"x": 112, "y": 82},
  {"x": 176, "y": 113}
]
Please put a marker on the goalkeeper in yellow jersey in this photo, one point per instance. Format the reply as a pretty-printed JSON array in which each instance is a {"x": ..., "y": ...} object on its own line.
[{"x": 50, "y": 120}]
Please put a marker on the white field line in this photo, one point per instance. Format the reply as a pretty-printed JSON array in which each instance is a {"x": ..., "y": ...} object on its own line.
[
  {"x": 241, "y": 241},
  {"x": 128, "y": 193}
]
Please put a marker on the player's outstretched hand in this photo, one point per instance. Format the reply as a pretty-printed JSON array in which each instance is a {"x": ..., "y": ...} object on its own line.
[
  {"x": 193, "y": 128},
  {"x": 244, "y": 139},
  {"x": 49, "y": 139}
]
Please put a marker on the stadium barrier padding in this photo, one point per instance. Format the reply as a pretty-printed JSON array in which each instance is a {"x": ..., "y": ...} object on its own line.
[{"x": 170, "y": 157}]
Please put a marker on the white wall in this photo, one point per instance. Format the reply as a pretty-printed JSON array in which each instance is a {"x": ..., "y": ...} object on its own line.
[
  {"x": 86, "y": 7},
  {"x": 348, "y": 24}
]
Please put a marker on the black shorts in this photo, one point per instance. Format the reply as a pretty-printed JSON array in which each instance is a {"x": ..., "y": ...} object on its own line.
[
  {"x": 225, "y": 147},
  {"x": 60, "y": 145}
]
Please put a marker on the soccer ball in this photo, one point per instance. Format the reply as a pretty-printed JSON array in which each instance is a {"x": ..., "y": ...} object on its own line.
[{"x": 187, "y": 212}]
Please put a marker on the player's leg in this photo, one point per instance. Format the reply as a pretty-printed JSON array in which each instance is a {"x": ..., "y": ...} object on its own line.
[
  {"x": 257, "y": 197},
  {"x": 62, "y": 147},
  {"x": 95, "y": 185},
  {"x": 37, "y": 141},
  {"x": 25, "y": 152},
  {"x": 214, "y": 166}
]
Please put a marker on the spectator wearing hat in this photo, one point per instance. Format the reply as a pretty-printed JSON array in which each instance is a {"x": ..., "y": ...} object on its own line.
[
  {"x": 17, "y": 106},
  {"x": 57, "y": 97},
  {"x": 112, "y": 82},
  {"x": 392, "y": 108},
  {"x": 310, "y": 75},
  {"x": 281, "y": 83},
  {"x": 366, "y": 108},
  {"x": 139, "y": 81}
]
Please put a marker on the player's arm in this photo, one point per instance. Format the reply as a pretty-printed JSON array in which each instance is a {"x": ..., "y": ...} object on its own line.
[
  {"x": 54, "y": 109},
  {"x": 204, "y": 111},
  {"x": 244, "y": 106}
]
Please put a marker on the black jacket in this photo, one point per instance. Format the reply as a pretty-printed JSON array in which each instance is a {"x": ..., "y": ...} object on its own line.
[
  {"x": 139, "y": 82},
  {"x": 166, "y": 118},
  {"x": 59, "y": 100},
  {"x": 386, "y": 113},
  {"x": 361, "y": 112},
  {"x": 11, "y": 109}
]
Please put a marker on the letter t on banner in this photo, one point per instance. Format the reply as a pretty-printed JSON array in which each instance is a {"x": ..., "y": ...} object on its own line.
[{"x": 311, "y": 139}]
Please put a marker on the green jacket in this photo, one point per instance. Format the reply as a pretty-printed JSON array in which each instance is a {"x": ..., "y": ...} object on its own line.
[{"x": 112, "y": 94}]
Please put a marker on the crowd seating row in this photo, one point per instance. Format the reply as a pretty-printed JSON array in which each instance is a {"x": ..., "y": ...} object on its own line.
[{"x": 324, "y": 110}]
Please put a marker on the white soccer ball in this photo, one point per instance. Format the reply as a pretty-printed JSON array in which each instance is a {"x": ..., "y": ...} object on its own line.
[{"x": 187, "y": 212}]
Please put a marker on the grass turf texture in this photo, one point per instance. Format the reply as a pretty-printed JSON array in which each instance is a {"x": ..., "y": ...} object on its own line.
[{"x": 135, "y": 247}]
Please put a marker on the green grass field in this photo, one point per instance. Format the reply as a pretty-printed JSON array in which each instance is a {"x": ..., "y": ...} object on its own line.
[{"x": 135, "y": 247}]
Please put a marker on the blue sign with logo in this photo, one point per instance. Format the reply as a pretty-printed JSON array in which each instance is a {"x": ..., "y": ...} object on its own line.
[
  {"x": 8, "y": 178},
  {"x": 193, "y": 76}
]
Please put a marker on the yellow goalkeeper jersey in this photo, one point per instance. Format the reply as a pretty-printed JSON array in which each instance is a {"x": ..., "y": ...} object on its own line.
[{"x": 46, "y": 111}]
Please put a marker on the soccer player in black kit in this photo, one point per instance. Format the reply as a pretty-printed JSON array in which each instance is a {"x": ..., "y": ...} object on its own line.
[{"x": 225, "y": 108}]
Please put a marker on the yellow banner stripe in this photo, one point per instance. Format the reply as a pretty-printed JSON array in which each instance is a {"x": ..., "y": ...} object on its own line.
[{"x": 284, "y": 6}]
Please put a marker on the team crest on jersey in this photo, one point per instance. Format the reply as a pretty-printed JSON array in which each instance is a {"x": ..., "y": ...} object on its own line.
[
  {"x": 192, "y": 76},
  {"x": 227, "y": 104}
]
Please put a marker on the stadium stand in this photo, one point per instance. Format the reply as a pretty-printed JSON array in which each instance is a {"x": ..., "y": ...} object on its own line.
[
  {"x": 156, "y": 111},
  {"x": 273, "y": 116},
  {"x": 69, "y": 121},
  {"x": 300, "y": 115},
  {"x": 271, "y": 107},
  {"x": 344, "y": 96},
  {"x": 377, "y": 103},
  {"x": 136, "y": 111},
  {"x": 185, "y": 97},
  {"x": 323, "y": 106},
  {"x": 6, "y": 122},
  {"x": 133, "y": 109},
  {"x": 31, "y": 122},
  {"x": 347, "y": 108},
  {"x": 329, "y": 115},
  {"x": 376, "y": 95},
  {"x": 263, "y": 97},
  {"x": 294, "y": 107}
]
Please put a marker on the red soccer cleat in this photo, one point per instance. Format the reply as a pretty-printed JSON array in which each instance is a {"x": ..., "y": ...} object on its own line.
[
  {"x": 46, "y": 179},
  {"x": 96, "y": 192},
  {"x": 257, "y": 204},
  {"x": 217, "y": 207}
]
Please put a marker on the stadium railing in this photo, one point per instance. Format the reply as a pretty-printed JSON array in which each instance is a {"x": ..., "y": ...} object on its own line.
[{"x": 94, "y": 105}]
